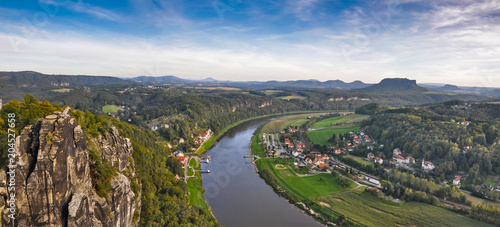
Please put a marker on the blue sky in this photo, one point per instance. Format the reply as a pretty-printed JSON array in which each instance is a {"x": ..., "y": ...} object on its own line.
[{"x": 439, "y": 41}]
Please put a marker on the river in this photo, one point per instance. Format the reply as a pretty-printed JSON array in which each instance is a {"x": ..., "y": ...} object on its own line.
[{"x": 236, "y": 193}]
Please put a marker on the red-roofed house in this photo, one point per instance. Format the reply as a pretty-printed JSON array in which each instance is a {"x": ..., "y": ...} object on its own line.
[
  {"x": 338, "y": 151},
  {"x": 456, "y": 181},
  {"x": 379, "y": 160},
  {"x": 301, "y": 145},
  {"x": 427, "y": 165},
  {"x": 410, "y": 160},
  {"x": 399, "y": 159},
  {"x": 323, "y": 166}
]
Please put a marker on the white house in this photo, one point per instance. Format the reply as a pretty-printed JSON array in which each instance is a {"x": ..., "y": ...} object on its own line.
[
  {"x": 399, "y": 159},
  {"x": 410, "y": 160},
  {"x": 379, "y": 160},
  {"x": 456, "y": 181},
  {"x": 396, "y": 151},
  {"x": 427, "y": 165}
]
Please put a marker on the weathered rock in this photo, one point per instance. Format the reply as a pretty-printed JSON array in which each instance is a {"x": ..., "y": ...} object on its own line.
[{"x": 53, "y": 180}]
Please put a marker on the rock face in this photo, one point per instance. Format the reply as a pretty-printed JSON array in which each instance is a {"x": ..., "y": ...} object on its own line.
[{"x": 53, "y": 180}]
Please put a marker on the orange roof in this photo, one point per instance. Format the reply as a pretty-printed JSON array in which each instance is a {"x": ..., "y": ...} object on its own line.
[{"x": 398, "y": 156}]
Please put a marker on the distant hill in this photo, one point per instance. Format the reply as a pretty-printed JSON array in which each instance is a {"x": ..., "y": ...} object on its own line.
[
  {"x": 30, "y": 79},
  {"x": 449, "y": 87},
  {"x": 394, "y": 85},
  {"x": 336, "y": 84},
  {"x": 152, "y": 80}
]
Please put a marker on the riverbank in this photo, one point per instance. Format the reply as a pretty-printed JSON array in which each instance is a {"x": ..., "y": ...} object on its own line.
[
  {"x": 317, "y": 196},
  {"x": 210, "y": 142},
  {"x": 195, "y": 183}
]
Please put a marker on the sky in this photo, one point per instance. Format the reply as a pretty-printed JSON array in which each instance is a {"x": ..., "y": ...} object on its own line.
[{"x": 440, "y": 41}]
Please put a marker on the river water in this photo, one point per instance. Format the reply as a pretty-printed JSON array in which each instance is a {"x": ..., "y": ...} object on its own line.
[{"x": 236, "y": 193}]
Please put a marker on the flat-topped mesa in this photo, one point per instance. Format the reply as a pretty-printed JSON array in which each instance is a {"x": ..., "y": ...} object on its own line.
[{"x": 53, "y": 177}]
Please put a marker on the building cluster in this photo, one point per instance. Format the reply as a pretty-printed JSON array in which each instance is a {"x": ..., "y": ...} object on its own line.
[
  {"x": 203, "y": 137},
  {"x": 372, "y": 157},
  {"x": 398, "y": 159},
  {"x": 180, "y": 156},
  {"x": 320, "y": 162}
]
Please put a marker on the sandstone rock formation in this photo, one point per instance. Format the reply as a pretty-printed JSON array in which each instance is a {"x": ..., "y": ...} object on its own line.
[{"x": 53, "y": 180}]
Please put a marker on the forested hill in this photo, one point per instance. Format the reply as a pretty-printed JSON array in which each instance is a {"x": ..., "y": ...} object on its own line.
[
  {"x": 30, "y": 79},
  {"x": 394, "y": 85},
  {"x": 459, "y": 138}
]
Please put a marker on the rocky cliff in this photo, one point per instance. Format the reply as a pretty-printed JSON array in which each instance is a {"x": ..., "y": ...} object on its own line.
[{"x": 53, "y": 184}]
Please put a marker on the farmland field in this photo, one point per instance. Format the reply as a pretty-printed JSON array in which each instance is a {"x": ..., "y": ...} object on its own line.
[
  {"x": 303, "y": 187},
  {"x": 110, "y": 109},
  {"x": 62, "y": 90},
  {"x": 321, "y": 136},
  {"x": 349, "y": 119},
  {"x": 279, "y": 124},
  {"x": 360, "y": 160},
  {"x": 371, "y": 211},
  {"x": 291, "y": 97}
]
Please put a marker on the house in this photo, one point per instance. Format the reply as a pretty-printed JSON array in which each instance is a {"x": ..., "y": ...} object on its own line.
[
  {"x": 370, "y": 156},
  {"x": 287, "y": 141},
  {"x": 399, "y": 159},
  {"x": 295, "y": 154},
  {"x": 338, "y": 151},
  {"x": 301, "y": 145},
  {"x": 396, "y": 151},
  {"x": 169, "y": 145},
  {"x": 290, "y": 145},
  {"x": 323, "y": 166},
  {"x": 410, "y": 160},
  {"x": 154, "y": 128},
  {"x": 205, "y": 135},
  {"x": 283, "y": 131},
  {"x": 427, "y": 165},
  {"x": 456, "y": 181},
  {"x": 308, "y": 160},
  {"x": 379, "y": 160},
  {"x": 165, "y": 126},
  {"x": 177, "y": 177},
  {"x": 325, "y": 157},
  {"x": 180, "y": 156},
  {"x": 181, "y": 140},
  {"x": 357, "y": 141},
  {"x": 350, "y": 149}
]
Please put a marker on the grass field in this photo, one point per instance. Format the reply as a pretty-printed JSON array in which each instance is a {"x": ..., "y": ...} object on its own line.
[
  {"x": 303, "y": 187},
  {"x": 290, "y": 97},
  {"x": 196, "y": 191},
  {"x": 282, "y": 123},
  {"x": 360, "y": 160},
  {"x": 349, "y": 119},
  {"x": 322, "y": 136},
  {"x": 110, "y": 109},
  {"x": 371, "y": 211},
  {"x": 62, "y": 90}
]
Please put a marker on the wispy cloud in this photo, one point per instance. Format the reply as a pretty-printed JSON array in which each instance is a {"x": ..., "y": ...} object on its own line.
[{"x": 87, "y": 8}]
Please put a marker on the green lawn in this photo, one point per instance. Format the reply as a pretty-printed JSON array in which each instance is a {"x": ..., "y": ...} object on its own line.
[
  {"x": 370, "y": 211},
  {"x": 353, "y": 118},
  {"x": 196, "y": 191},
  {"x": 190, "y": 172},
  {"x": 303, "y": 187},
  {"x": 360, "y": 160},
  {"x": 193, "y": 163},
  {"x": 323, "y": 135},
  {"x": 110, "y": 109}
]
